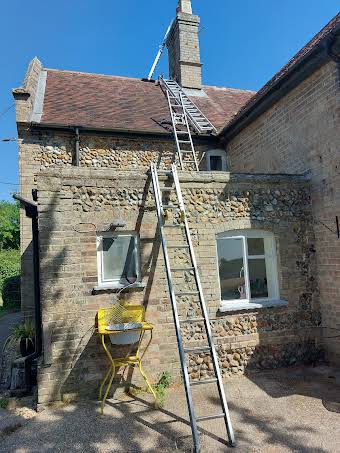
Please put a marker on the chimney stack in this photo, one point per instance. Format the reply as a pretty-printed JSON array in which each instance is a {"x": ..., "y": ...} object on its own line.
[{"x": 183, "y": 47}]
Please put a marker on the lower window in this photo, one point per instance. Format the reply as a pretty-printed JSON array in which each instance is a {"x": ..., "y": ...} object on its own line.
[
  {"x": 247, "y": 266},
  {"x": 118, "y": 258}
]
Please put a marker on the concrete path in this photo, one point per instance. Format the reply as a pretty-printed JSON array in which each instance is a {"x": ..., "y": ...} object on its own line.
[{"x": 288, "y": 410}]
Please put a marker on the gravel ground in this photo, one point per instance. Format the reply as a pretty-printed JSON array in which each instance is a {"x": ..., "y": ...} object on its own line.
[{"x": 287, "y": 410}]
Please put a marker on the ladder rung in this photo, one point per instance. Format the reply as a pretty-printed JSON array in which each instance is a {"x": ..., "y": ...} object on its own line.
[
  {"x": 209, "y": 417},
  {"x": 182, "y": 132},
  {"x": 188, "y": 161},
  {"x": 178, "y": 246},
  {"x": 179, "y": 269},
  {"x": 205, "y": 381},
  {"x": 187, "y": 293},
  {"x": 197, "y": 349},
  {"x": 170, "y": 206},
  {"x": 164, "y": 172},
  {"x": 174, "y": 226},
  {"x": 184, "y": 321},
  {"x": 166, "y": 189},
  {"x": 186, "y": 151},
  {"x": 184, "y": 141}
]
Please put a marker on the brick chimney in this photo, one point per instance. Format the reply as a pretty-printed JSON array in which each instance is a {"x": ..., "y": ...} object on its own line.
[{"x": 184, "y": 50}]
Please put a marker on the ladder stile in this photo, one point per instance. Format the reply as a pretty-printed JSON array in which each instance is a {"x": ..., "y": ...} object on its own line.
[
  {"x": 184, "y": 368},
  {"x": 205, "y": 314},
  {"x": 174, "y": 292},
  {"x": 174, "y": 129},
  {"x": 190, "y": 137}
]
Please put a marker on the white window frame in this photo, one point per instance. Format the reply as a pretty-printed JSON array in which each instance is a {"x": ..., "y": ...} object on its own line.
[
  {"x": 270, "y": 258},
  {"x": 218, "y": 153},
  {"x": 116, "y": 283}
]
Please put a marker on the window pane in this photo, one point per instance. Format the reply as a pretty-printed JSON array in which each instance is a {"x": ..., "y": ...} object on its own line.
[
  {"x": 230, "y": 262},
  {"x": 215, "y": 163},
  {"x": 119, "y": 261},
  {"x": 255, "y": 246},
  {"x": 258, "y": 278}
]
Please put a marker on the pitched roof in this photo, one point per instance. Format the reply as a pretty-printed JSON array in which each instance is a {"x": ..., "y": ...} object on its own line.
[
  {"x": 285, "y": 71},
  {"x": 122, "y": 103}
]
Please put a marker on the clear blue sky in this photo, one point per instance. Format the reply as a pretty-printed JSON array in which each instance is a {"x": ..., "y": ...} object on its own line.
[{"x": 243, "y": 43}]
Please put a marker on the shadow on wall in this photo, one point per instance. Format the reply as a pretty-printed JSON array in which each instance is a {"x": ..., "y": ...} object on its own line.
[{"x": 74, "y": 360}]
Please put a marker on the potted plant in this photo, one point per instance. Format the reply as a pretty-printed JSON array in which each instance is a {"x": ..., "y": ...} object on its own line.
[{"x": 25, "y": 334}]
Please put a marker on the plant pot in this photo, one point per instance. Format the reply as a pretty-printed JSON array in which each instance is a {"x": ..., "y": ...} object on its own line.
[{"x": 26, "y": 346}]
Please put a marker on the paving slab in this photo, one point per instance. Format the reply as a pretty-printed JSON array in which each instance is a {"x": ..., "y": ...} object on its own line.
[{"x": 272, "y": 412}]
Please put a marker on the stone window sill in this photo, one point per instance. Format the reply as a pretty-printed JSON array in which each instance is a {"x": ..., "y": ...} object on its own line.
[
  {"x": 118, "y": 287},
  {"x": 240, "y": 305}
]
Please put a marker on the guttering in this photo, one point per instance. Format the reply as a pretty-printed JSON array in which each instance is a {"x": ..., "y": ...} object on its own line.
[
  {"x": 31, "y": 210},
  {"x": 167, "y": 135},
  {"x": 310, "y": 62}
]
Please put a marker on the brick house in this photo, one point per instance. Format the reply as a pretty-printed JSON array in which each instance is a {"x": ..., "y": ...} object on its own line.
[{"x": 265, "y": 197}]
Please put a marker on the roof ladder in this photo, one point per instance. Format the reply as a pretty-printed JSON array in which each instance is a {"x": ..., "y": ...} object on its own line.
[
  {"x": 197, "y": 119},
  {"x": 169, "y": 252}
]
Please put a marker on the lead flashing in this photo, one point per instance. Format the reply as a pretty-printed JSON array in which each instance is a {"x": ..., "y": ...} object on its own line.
[{"x": 39, "y": 98}]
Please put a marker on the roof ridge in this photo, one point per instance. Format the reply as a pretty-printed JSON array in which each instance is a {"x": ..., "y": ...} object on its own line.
[
  {"x": 94, "y": 74},
  {"x": 242, "y": 90}
]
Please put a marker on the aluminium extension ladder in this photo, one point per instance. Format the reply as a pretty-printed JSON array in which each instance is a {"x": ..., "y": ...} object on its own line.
[
  {"x": 181, "y": 130},
  {"x": 196, "y": 118},
  {"x": 181, "y": 224}
]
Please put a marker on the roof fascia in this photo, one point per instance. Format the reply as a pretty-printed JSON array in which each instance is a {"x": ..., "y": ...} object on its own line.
[{"x": 116, "y": 132}]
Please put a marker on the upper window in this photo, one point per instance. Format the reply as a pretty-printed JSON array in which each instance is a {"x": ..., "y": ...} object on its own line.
[
  {"x": 216, "y": 160},
  {"x": 247, "y": 266},
  {"x": 118, "y": 258}
]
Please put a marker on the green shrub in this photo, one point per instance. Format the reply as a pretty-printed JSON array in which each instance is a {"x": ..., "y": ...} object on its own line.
[
  {"x": 24, "y": 330},
  {"x": 10, "y": 278},
  {"x": 160, "y": 387}
]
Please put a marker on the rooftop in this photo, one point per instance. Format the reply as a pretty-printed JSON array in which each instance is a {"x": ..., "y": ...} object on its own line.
[{"x": 123, "y": 103}]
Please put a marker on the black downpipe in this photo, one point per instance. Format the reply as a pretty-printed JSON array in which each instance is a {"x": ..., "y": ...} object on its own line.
[
  {"x": 36, "y": 270},
  {"x": 76, "y": 160},
  {"x": 31, "y": 211}
]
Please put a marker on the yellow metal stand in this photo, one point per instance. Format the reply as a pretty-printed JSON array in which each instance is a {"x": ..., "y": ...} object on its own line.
[{"x": 132, "y": 314}]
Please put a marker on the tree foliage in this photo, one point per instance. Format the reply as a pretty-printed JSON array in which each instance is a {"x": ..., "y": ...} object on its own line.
[
  {"x": 10, "y": 278},
  {"x": 9, "y": 225}
]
